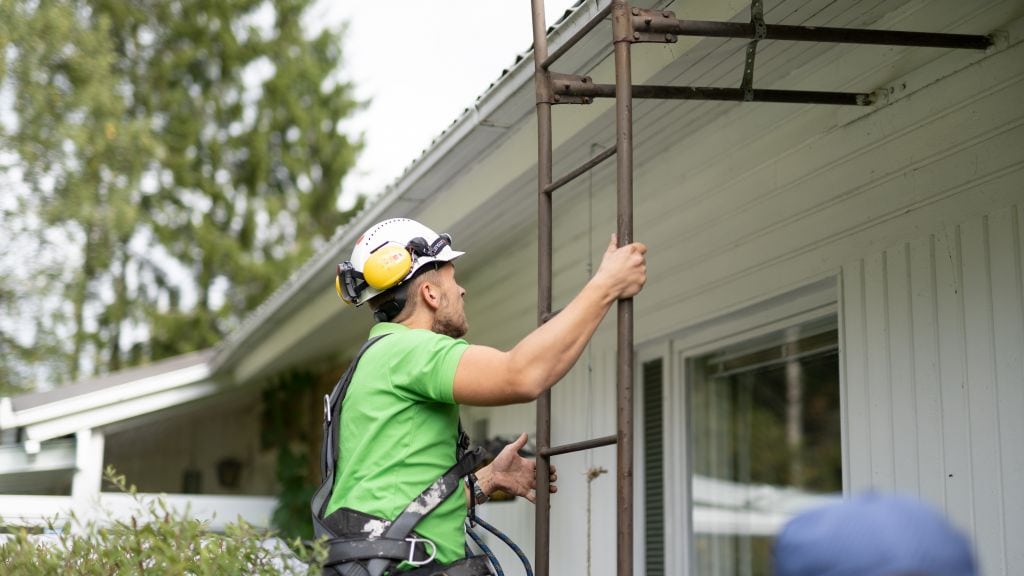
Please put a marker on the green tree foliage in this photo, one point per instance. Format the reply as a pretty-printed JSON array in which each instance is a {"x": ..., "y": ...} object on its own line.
[
  {"x": 32, "y": 341},
  {"x": 189, "y": 150}
]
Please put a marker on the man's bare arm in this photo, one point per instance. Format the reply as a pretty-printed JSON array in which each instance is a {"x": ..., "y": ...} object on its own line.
[{"x": 490, "y": 377}]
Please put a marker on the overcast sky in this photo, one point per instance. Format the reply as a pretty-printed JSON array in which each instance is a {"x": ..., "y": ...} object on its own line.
[{"x": 420, "y": 64}]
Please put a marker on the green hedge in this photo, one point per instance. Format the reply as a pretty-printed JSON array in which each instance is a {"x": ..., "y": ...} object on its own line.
[{"x": 155, "y": 540}]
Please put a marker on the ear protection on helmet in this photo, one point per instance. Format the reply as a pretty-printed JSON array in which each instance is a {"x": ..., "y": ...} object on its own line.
[
  {"x": 349, "y": 283},
  {"x": 387, "y": 266}
]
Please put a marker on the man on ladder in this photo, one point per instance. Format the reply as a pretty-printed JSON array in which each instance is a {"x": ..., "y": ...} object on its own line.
[{"x": 394, "y": 452}]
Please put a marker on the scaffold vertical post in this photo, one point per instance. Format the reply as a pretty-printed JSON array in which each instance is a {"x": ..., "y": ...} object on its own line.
[
  {"x": 622, "y": 33},
  {"x": 544, "y": 245}
]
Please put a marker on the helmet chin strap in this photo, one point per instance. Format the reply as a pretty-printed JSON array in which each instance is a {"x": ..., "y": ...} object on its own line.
[
  {"x": 392, "y": 307},
  {"x": 388, "y": 311}
]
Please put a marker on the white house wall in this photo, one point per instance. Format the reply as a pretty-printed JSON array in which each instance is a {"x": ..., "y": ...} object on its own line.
[
  {"x": 154, "y": 455},
  {"x": 768, "y": 198},
  {"x": 934, "y": 334}
]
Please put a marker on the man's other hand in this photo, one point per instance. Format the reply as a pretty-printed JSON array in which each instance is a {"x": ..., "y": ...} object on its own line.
[{"x": 512, "y": 473}]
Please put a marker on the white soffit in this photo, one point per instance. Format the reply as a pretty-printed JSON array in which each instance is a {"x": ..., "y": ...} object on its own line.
[
  {"x": 113, "y": 395},
  {"x": 124, "y": 409}
]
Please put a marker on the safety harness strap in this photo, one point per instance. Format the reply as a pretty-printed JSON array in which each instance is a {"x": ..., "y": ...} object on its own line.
[
  {"x": 395, "y": 544},
  {"x": 329, "y": 449},
  {"x": 358, "y": 548},
  {"x": 428, "y": 500},
  {"x": 473, "y": 566},
  {"x": 436, "y": 493}
]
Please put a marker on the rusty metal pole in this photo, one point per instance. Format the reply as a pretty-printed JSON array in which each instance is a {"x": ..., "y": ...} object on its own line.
[
  {"x": 622, "y": 34},
  {"x": 542, "y": 83}
]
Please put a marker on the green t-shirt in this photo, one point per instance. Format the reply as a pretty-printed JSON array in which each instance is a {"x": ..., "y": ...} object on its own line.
[{"x": 399, "y": 426}]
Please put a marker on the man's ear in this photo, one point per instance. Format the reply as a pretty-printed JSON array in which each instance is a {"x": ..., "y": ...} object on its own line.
[{"x": 431, "y": 295}]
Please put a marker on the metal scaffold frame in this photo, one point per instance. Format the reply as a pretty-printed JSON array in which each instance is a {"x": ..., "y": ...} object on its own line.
[{"x": 632, "y": 25}]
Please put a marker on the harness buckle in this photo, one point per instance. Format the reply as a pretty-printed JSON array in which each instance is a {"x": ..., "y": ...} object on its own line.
[
  {"x": 327, "y": 408},
  {"x": 413, "y": 541}
]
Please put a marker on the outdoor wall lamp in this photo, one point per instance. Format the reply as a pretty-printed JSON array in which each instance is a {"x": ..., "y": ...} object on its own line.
[{"x": 229, "y": 472}]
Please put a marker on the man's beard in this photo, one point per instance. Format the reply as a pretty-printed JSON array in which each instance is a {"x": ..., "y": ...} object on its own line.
[{"x": 447, "y": 323}]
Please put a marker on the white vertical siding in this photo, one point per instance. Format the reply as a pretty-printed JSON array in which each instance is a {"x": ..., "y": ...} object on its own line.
[
  {"x": 952, "y": 388},
  {"x": 880, "y": 422},
  {"x": 924, "y": 336},
  {"x": 587, "y": 410},
  {"x": 901, "y": 368},
  {"x": 934, "y": 333},
  {"x": 857, "y": 454},
  {"x": 1007, "y": 277}
]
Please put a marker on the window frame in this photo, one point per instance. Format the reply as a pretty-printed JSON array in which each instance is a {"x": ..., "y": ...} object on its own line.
[{"x": 814, "y": 302}]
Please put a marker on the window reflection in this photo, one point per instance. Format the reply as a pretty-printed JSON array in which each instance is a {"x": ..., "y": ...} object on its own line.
[{"x": 764, "y": 443}]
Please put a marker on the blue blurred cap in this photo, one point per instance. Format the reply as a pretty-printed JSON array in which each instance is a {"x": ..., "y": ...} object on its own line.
[{"x": 872, "y": 535}]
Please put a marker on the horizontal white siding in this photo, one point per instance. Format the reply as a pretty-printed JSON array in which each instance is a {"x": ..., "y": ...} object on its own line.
[{"x": 935, "y": 377}]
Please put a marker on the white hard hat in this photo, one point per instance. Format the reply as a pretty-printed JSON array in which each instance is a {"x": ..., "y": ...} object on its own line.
[{"x": 388, "y": 254}]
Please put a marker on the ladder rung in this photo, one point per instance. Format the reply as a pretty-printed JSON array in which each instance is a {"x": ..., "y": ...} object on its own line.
[
  {"x": 601, "y": 15},
  {"x": 604, "y": 155},
  {"x": 578, "y": 446}
]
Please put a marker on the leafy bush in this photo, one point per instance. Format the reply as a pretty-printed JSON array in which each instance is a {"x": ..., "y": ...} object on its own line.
[{"x": 155, "y": 540}]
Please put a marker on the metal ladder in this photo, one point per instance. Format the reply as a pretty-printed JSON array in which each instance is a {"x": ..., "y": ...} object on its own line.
[{"x": 632, "y": 25}]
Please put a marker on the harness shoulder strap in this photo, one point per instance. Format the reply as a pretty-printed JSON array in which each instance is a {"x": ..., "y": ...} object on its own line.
[{"x": 329, "y": 449}]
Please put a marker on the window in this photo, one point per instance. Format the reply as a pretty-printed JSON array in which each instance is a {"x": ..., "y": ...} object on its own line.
[{"x": 763, "y": 442}]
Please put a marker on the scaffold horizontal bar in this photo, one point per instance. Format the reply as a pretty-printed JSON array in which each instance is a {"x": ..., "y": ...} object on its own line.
[
  {"x": 814, "y": 34},
  {"x": 724, "y": 94},
  {"x": 579, "y": 446},
  {"x": 590, "y": 164}
]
